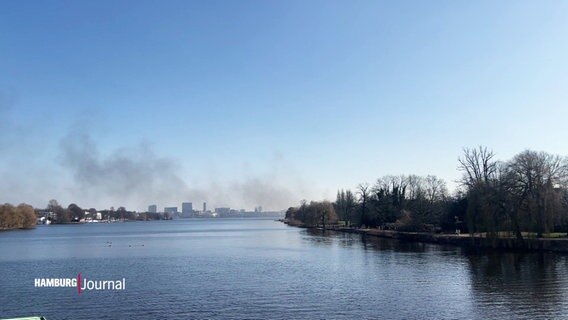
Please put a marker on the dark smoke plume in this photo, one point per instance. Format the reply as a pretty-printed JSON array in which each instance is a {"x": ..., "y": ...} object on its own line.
[{"x": 135, "y": 177}]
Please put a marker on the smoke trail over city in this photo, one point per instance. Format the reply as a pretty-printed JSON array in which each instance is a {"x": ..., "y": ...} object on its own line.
[
  {"x": 128, "y": 175},
  {"x": 136, "y": 176},
  {"x": 77, "y": 168}
]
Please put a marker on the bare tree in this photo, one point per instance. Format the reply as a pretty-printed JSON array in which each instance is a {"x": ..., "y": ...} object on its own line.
[
  {"x": 364, "y": 193},
  {"x": 344, "y": 204},
  {"x": 477, "y": 165},
  {"x": 23, "y": 217},
  {"x": 434, "y": 188},
  {"x": 392, "y": 184},
  {"x": 325, "y": 213},
  {"x": 537, "y": 178},
  {"x": 53, "y": 205},
  {"x": 350, "y": 205},
  {"x": 414, "y": 187},
  {"x": 479, "y": 172}
]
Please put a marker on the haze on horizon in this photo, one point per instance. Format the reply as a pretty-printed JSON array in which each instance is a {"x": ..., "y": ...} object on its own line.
[{"x": 130, "y": 103}]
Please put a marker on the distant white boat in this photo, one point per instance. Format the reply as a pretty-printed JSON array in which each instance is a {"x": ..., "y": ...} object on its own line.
[{"x": 42, "y": 220}]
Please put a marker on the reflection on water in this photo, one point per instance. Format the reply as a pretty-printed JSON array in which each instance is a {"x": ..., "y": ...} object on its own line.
[
  {"x": 252, "y": 268},
  {"x": 527, "y": 285},
  {"x": 503, "y": 284},
  {"x": 328, "y": 237}
]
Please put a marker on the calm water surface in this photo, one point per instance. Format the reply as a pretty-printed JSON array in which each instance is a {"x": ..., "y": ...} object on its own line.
[{"x": 261, "y": 269}]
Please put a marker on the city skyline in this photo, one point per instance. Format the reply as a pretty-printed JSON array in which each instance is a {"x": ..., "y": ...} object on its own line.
[{"x": 265, "y": 104}]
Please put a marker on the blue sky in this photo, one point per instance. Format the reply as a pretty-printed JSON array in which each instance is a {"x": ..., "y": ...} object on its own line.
[{"x": 298, "y": 98}]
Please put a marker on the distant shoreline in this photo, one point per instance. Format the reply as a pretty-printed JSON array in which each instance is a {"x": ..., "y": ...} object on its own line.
[{"x": 104, "y": 222}]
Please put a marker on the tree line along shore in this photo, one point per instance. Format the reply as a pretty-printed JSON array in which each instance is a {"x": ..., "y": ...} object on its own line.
[
  {"x": 521, "y": 198},
  {"x": 25, "y": 216},
  {"x": 17, "y": 217}
]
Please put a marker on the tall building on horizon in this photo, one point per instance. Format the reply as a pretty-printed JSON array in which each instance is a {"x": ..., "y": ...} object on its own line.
[
  {"x": 153, "y": 208},
  {"x": 204, "y": 206},
  {"x": 186, "y": 207}
]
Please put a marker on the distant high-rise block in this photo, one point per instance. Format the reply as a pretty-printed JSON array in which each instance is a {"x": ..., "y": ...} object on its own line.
[
  {"x": 186, "y": 207},
  {"x": 153, "y": 208},
  {"x": 204, "y": 206}
]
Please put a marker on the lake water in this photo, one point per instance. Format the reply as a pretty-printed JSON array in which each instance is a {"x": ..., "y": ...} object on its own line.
[{"x": 262, "y": 269}]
